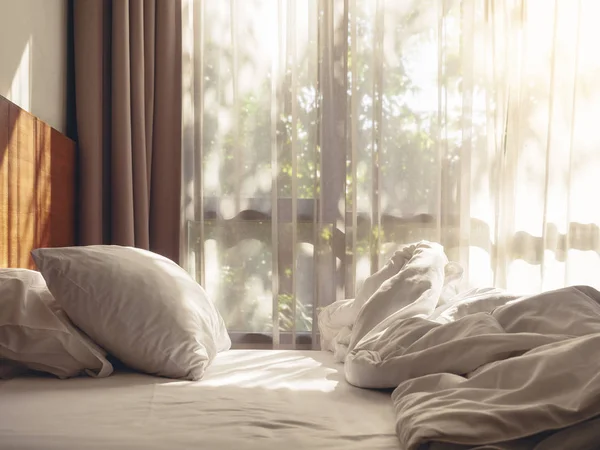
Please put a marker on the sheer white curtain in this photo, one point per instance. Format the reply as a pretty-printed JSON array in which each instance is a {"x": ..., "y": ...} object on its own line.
[{"x": 320, "y": 135}]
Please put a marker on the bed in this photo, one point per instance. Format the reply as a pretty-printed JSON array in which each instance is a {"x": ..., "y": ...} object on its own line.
[{"x": 248, "y": 399}]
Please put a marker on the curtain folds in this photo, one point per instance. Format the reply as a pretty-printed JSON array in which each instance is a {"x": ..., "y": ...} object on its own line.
[
  {"x": 128, "y": 105},
  {"x": 320, "y": 135}
]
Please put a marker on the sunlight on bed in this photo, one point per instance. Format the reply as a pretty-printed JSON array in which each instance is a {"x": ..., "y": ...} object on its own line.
[{"x": 270, "y": 370}]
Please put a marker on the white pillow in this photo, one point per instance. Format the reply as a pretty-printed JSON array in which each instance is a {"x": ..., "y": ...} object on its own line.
[
  {"x": 36, "y": 334},
  {"x": 141, "y": 307}
]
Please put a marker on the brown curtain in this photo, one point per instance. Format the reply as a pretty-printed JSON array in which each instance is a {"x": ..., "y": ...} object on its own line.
[{"x": 128, "y": 105}]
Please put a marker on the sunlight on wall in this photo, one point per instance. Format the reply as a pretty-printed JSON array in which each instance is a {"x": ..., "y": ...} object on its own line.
[{"x": 20, "y": 89}]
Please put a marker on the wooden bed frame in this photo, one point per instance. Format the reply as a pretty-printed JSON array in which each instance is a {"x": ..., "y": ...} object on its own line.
[{"x": 37, "y": 186}]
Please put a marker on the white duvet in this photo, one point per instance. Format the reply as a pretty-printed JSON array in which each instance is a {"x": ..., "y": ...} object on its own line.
[{"x": 479, "y": 369}]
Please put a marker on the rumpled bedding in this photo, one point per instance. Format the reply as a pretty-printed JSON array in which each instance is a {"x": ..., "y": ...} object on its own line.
[
  {"x": 482, "y": 368},
  {"x": 429, "y": 263}
]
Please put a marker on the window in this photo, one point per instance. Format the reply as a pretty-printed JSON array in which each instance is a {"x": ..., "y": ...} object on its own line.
[{"x": 322, "y": 135}]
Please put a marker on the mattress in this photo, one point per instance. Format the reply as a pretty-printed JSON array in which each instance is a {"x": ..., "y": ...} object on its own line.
[{"x": 248, "y": 399}]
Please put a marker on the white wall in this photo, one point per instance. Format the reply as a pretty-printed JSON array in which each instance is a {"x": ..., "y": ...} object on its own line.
[{"x": 33, "y": 49}]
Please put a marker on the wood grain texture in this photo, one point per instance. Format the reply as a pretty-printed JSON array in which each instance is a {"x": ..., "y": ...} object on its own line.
[{"x": 37, "y": 186}]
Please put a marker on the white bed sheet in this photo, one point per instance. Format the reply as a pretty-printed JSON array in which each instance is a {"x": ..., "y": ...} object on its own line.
[{"x": 248, "y": 399}]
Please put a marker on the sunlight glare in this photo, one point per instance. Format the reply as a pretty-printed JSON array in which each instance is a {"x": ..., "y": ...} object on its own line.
[
  {"x": 584, "y": 268},
  {"x": 211, "y": 267},
  {"x": 363, "y": 270},
  {"x": 211, "y": 173},
  {"x": 480, "y": 269},
  {"x": 523, "y": 277},
  {"x": 227, "y": 207}
]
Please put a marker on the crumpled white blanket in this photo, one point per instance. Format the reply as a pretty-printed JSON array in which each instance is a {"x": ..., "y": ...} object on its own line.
[
  {"x": 484, "y": 369},
  {"x": 429, "y": 264}
]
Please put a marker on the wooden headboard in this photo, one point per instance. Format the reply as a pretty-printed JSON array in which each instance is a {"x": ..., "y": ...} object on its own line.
[{"x": 37, "y": 186}]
